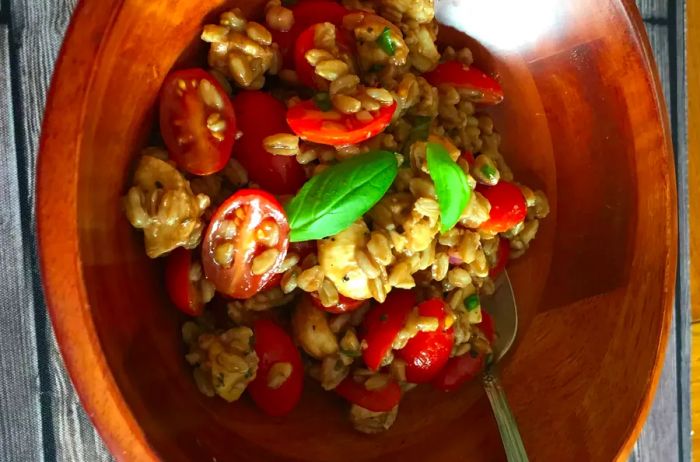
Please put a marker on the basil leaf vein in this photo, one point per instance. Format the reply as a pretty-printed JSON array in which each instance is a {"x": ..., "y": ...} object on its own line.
[
  {"x": 333, "y": 200},
  {"x": 451, "y": 186}
]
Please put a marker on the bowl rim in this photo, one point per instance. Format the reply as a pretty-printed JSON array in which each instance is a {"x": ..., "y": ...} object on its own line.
[{"x": 59, "y": 254}]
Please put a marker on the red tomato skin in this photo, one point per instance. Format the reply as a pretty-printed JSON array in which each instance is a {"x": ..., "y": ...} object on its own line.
[
  {"x": 177, "y": 282},
  {"x": 508, "y": 206},
  {"x": 306, "y": 13},
  {"x": 306, "y": 120},
  {"x": 235, "y": 282},
  {"x": 428, "y": 352},
  {"x": 273, "y": 345},
  {"x": 458, "y": 371},
  {"x": 345, "y": 304},
  {"x": 502, "y": 257},
  {"x": 382, "y": 400},
  {"x": 487, "y": 326},
  {"x": 261, "y": 115},
  {"x": 172, "y": 107},
  {"x": 382, "y": 323},
  {"x": 463, "y": 76},
  {"x": 469, "y": 157},
  {"x": 305, "y": 42}
]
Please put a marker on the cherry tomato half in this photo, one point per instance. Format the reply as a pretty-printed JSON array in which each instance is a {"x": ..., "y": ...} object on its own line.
[
  {"x": 261, "y": 115},
  {"x": 273, "y": 345},
  {"x": 344, "y": 305},
  {"x": 508, "y": 206},
  {"x": 333, "y": 128},
  {"x": 427, "y": 353},
  {"x": 381, "y": 400},
  {"x": 459, "y": 370},
  {"x": 183, "y": 293},
  {"x": 382, "y": 323},
  {"x": 306, "y": 13},
  {"x": 197, "y": 121},
  {"x": 305, "y": 42},
  {"x": 233, "y": 240},
  {"x": 462, "y": 76},
  {"x": 502, "y": 256}
]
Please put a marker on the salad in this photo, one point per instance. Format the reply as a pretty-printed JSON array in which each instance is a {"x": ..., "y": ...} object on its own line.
[{"x": 330, "y": 200}]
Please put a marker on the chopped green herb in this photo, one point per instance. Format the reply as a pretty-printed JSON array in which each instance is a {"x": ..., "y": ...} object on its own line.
[
  {"x": 338, "y": 365},
  {"x": 323, "y": 101},
  {"x": 248, "y": 374},
  {"x": 489, "y": 172},
  {"x": 350, "y": 353},
  {"x": 376, "y": 67},
  {"x": 489, "y": 359},
  {"x": 386, "y": 43},
  {"x": 472, "y": 302}
]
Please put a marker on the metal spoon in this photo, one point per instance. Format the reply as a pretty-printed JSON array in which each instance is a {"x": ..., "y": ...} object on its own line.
[{"x": 501, "y": 306}]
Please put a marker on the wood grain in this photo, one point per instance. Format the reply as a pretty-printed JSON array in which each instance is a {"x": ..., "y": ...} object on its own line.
[
  {"x": 38, "y": 28},
  {"x": 589, "y": 82}
]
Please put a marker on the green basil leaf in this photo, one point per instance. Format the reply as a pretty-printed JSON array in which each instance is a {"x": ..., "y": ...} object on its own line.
[
  {"x": 386, "y": 43},
  {"x": 334, "y": 199},
  {"x": 451, "y": 186}
]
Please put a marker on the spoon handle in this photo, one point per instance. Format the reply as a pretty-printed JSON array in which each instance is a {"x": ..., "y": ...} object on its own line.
[{"x": 507, "y": 426}]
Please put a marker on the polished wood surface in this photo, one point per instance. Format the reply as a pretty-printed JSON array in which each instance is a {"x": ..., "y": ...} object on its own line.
[
  {"x": 584, "y": 120},
  {"x": 693, "y": 40}
]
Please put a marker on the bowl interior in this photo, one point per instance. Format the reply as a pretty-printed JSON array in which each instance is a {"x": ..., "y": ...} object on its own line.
[{"x": 582, "y": 121}]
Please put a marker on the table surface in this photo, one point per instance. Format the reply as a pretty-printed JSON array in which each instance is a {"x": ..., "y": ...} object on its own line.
[{"x": 41, "y": 418}]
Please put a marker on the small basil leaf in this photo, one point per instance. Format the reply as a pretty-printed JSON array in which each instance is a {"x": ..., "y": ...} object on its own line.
[
  {"x": 451, "y": 185},
  {"x": 333, "y": 200},
  {"x": 386, "y": 43}
]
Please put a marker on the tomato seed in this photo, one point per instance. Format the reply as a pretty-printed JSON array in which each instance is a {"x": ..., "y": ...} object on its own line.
[
  {"x": 264, "y": 262},
  {"x": 223, "y": 254}
]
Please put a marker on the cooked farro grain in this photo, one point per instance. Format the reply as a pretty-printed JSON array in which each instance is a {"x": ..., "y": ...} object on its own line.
[{"x": 282, "y": 144}]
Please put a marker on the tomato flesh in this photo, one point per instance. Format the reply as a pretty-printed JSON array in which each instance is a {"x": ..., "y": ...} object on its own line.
[
  {"x": 333, "y": 128},
  {"x": 502, "y": 256},
  {"x": 487, "y": 326},
  {"x": 468, "y": 77},
  {"x": 197, "y": 121},
  {"x": 239, "y": 221},
  {"x": 180, "y": 289},
  {"x": 458, "y": 371},
  {"x": 428, "y": 352},
  {"x": 273, "y": 345},
  {"x": 508, "y": 206},
  {"x": 344, "y": 305},
  {"x": 262, "y": 115},
  {"x": 382, "y": 323},
  {"x": 381, "y": 400},
  {"x": 306, "y": 13},
  {"x": 305, "y": 42}
]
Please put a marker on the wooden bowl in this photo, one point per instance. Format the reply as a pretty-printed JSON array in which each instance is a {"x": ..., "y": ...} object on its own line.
[{"x": 584, "y": 119}]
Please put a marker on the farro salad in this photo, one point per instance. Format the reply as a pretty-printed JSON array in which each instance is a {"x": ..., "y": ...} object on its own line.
[{"x": 331, "y": 200}]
